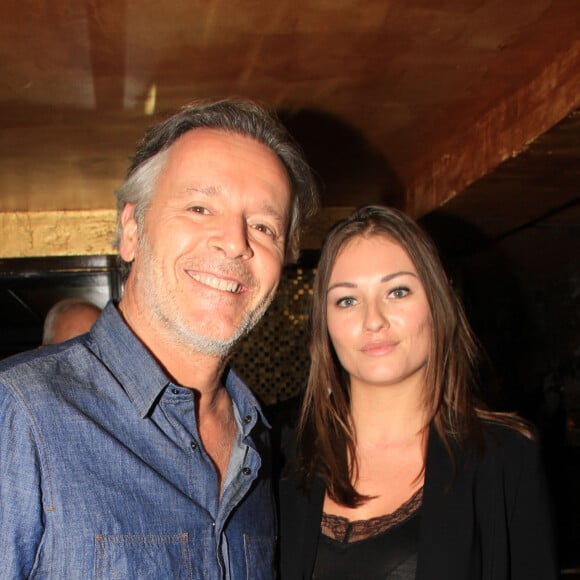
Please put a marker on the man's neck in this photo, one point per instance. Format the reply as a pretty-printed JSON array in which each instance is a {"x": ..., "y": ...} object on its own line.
[
  {"x": 217, "y": 429},
  {"x": 186, "y": 367}
]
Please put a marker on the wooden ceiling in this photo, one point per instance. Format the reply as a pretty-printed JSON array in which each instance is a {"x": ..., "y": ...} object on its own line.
[{"x": 412, "y": 103}]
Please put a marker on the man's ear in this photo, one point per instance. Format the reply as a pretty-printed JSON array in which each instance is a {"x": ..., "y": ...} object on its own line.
[{"x": 129, "y": 236}]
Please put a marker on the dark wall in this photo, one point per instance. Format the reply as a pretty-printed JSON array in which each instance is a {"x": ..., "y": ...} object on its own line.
[{"x": 522, "y": 296}]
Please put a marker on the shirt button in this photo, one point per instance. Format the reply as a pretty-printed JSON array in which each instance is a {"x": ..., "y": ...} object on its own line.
[
  {"x": 247, "y": 419},
  {"x": 175, "y": 391},
  {"x": 246, "y": 471},
  {"x": 193, "y": 445}
]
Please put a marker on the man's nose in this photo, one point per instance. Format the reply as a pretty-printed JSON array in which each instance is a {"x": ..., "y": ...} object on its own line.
[{"x": 232, "y": 239}]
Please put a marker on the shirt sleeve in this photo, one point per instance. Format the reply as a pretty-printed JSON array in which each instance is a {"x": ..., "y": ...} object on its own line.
[
  {"x": 21, "y": 513},
  {"x": 531, "y": 526}
]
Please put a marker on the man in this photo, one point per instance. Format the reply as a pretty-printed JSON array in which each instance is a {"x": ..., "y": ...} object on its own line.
[
  {"x": 68, "y": 318},
  {"x": 134, "y": 451}
]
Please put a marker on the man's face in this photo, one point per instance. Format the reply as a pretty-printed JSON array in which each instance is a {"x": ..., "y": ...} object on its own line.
[{"x": 208, "y": 261}]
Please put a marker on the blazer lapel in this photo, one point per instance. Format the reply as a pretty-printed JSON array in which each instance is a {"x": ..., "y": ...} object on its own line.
[{"x": 448, "y": 546}]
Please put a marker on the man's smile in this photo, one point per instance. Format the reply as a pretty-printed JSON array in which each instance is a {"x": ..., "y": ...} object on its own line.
[{"x": 217, "y": 283}]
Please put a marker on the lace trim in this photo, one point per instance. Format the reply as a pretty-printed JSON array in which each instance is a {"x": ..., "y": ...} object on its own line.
[{"x": 341, "y": 529}]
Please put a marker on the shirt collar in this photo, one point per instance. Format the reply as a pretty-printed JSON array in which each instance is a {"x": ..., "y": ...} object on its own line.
[
  {"x": 141, "y": 376},
  {"x": 244, "y": 400}
]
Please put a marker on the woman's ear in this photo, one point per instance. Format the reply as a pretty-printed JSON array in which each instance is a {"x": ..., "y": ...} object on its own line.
[{"x": 129, "y": 235}]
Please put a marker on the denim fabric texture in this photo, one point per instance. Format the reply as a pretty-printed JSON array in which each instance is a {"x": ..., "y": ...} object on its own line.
[{"x": 103, "y": 474}]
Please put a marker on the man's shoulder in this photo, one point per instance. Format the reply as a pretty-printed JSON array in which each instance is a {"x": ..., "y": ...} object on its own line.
[{"x": 34, "y": 372}]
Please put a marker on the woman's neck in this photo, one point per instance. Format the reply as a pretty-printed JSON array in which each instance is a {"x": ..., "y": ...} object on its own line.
[{"x": 388, "y": 415}]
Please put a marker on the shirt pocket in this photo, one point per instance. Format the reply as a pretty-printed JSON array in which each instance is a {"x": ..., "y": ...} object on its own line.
[
  {"x": 124, "y": 557},
  {"x": 259, "y": 551}
]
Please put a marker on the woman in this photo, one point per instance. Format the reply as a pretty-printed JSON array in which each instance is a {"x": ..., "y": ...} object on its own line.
[{"x": 398, "y": 472}]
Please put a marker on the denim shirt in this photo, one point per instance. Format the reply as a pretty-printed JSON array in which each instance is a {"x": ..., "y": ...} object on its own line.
[{"x": 103, "y": 474}]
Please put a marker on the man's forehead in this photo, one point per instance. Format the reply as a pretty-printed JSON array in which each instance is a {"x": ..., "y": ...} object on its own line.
[{"x": 256, "y": 158}]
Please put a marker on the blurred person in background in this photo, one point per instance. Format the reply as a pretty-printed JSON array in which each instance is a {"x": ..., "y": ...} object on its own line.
[{"x": 68, "y": 318}]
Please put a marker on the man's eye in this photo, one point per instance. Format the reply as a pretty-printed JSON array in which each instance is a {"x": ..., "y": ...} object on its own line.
[
  {"x": 264, "y": 229},
  {"x": 199, "y": 209}
]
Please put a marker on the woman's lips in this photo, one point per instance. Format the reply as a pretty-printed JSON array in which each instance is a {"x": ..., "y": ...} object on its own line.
[{"x": 378, "y": 348}]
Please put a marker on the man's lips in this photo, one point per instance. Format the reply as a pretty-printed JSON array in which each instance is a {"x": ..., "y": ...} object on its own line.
[{"x": 221, "y": 284}]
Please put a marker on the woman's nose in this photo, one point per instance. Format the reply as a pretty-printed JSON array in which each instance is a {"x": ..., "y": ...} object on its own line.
[{"x": 375, "y": 317}]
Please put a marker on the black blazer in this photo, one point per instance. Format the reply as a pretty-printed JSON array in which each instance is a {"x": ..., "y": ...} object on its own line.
[{"x": 491, "y": 521}]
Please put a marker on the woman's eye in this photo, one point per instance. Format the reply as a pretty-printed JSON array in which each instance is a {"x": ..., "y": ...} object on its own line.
[
  {"x": 346, "y": 302},
  {"x": 399, "y": 292}
]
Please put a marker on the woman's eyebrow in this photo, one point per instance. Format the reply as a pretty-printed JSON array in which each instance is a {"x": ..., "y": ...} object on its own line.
[
  {"x": 385, "y": 278},
  {"x": 395, "y": 274}
]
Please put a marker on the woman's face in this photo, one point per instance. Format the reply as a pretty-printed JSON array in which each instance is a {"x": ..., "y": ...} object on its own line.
[{"x": 378, "y": 315}]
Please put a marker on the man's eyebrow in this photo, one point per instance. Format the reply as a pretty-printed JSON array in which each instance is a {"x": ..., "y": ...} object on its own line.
[
  {"x": 385, "y": 278},
  {"x": 271, "y": 211},
  {"x": 265, "y": 209},
  {"x": 210, "y": 190}
]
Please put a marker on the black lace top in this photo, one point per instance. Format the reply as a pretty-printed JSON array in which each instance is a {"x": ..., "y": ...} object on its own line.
[{"x": 381, "y": 548}]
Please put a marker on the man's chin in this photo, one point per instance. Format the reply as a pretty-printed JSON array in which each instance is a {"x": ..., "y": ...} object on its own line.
[
  {"x": 220, "y": 339},
  {"x": 219, "y": 344}
]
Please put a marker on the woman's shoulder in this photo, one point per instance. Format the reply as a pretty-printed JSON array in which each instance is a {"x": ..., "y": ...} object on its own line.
[
  {"x": 501, "y": 457},
  {"x": 508, "y": 431},
  {"x": 510, "y": 447}
]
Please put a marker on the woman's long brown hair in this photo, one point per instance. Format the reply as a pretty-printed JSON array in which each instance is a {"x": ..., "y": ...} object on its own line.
[{"x": 325, "y": 445}]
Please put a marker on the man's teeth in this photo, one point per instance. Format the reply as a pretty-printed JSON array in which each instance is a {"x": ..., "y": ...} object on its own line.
[{"x": 217, "y": 283}]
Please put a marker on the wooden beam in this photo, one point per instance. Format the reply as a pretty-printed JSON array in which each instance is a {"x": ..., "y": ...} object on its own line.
[
  {"x": 87, "y": 233},
  {"x": 57, "y": 233},
  {"x": 502, "y": 132}
]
